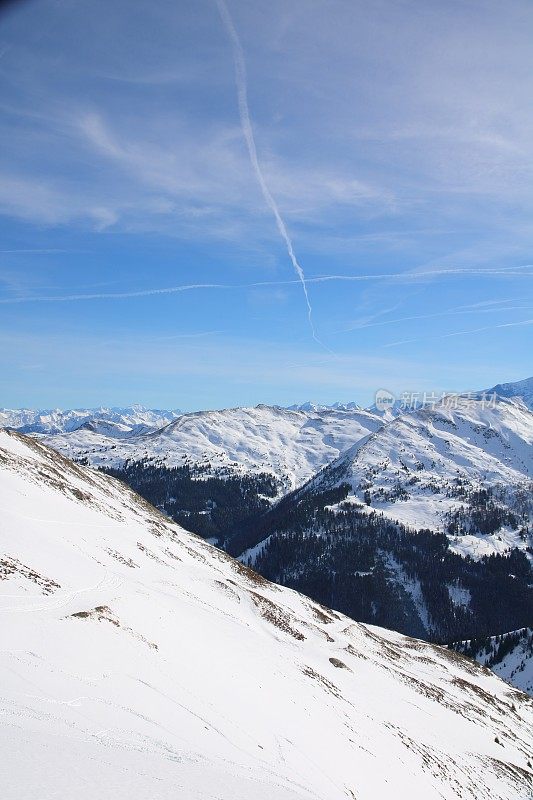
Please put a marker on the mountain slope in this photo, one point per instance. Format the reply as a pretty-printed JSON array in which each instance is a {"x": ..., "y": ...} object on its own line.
[
  {"x": 465, "y": 469},
  {"x": 140, "y": 662},
  {"x": 509, "y": 655},
  {"x": 212, "y": 470},
  {"x": 292, "y": 445},
  {"x": 417, "y": 527},
  {"x": 522, "y": 389}
]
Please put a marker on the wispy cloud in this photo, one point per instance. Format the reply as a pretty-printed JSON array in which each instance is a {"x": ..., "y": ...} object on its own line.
[
  {"x": 397, "y": 148},
  {"x": 185, "y": 182},
  {"x": 35, "y": 251},
  {"x": 400, "y": 128},
  {"x": 178, "y": 336}
]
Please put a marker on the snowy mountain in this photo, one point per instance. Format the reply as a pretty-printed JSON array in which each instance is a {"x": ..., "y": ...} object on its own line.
[
  {"x": 111, "y": 421},
  {"x": 464, "y": 468},
  {"x": 509, "y": 655},
  {"x": 140, "y": 662},
  {"x": 309, "y": 405},
  {"x": 382, "y": 532},
  {"x": 115, "y": 430},
  {"x": 291, "y": 445},
  {"x": 522, "y": 389},
  {"x": 210, "y": 470},
  {"x": 390, "y": 413}
]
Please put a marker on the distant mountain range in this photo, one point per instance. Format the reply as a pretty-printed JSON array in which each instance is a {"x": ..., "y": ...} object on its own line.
[
  {"x": 310, "y": 406},
  {"x": 411, "y": 467},
  {"x": 413, "y": 521},
  {"x": 290, "y": 445},
  {"x": 113, "y": 422},
  {"x": 519, "y": 389},
  {"x": 137, "y": 419},
  {"x": 211, "y": 470}
]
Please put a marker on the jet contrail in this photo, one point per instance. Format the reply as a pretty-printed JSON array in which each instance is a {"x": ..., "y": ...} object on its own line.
[
  {"x": 117, "y": 295},
  {"x": 383, "y": 276},
  {"x": 456, "y": 310},
  {"x": 520, "y": 323},
  {"x": 246, "y": 124}
]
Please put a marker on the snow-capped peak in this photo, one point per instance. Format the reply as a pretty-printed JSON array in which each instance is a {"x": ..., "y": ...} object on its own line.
[
  {"x": 309, "y": 405},
  {"x": 426, "y": 468},
  {"x": 291, "y": 445},
  {"x": 522, "y": 389},
  {"x": 55, "y": 421}
]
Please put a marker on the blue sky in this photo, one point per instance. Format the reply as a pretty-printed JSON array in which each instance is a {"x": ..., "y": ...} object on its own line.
[{"x": 394, "y": 141}]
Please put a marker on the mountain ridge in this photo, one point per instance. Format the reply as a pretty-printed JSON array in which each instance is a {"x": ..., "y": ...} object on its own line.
[
  {"x": 289, "y": 443},
  {"x": 522, "y": 389},
  {"x": 54, "y": 421},
  {"x": 417, "y": 466}
]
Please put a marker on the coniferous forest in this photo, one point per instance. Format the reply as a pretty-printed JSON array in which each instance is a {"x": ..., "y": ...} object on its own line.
[{"x": 351, "y": 558}]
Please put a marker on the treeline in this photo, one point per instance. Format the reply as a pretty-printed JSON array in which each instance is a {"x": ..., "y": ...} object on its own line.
[
  {"x": 350, "y": 557},
  {"x": 210, "y": 506},
  {"x": 380, "y": 572},
  {"x": 488, "y": 509},
  {"x": 493, "y": 650}
]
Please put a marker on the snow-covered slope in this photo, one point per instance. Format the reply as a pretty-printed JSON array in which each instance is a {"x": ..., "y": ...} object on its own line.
[
  {"x": 522, "y": 389},
  {"x": 139, "y": 662},
  {"x": 292, "y": 445},
  {"x": 465, "y": 468},
  {"x": 120, "y": 421},
  {"x": 509, "y": 655},
  {"x": 115, "y": 430}
]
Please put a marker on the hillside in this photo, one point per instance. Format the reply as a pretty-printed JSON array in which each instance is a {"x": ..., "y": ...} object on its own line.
[
  {"x": 418, "y": 527},
  {"x": 140, "y": 661},
  {"x": 213, "y": 470},
  {"x": 291, "y": 445},
  {"x": 464, "y": 469},
  {"x": 509, "y": 655}
]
